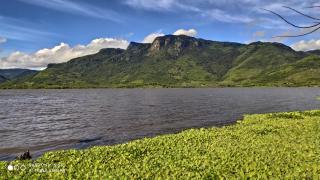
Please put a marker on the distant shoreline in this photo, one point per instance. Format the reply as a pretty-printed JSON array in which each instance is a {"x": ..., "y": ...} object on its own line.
[{"x": 172, "y": 87}]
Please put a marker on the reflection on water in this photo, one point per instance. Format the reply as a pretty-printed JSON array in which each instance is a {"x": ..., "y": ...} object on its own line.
[{"x": 43, "y": 120}]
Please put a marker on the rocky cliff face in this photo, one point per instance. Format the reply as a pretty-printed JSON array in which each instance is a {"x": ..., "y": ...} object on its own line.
[{"x": 174, "y": 45}]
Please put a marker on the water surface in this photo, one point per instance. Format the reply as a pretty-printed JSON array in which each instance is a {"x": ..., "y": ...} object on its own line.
[{"x": 44, "y": 120}]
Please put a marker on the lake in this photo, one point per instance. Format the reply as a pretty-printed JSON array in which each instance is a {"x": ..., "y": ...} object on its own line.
[{"x": 45, "y": 120}]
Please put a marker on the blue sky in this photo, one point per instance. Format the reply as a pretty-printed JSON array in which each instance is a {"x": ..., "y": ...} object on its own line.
[{"x": 36, "y": 32}]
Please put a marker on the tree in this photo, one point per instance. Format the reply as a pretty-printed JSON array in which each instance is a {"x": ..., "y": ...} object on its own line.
[{"x": 309, "y": 28}]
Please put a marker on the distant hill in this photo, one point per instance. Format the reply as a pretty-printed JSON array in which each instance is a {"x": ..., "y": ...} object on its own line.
[
  {"x": 7, "y": 75},
  {"x": 2, "y": 79},
  {"x": 315, "y": 52},
  {"x": 14, "y": 73},
  {"x": 182, "y": 61}
]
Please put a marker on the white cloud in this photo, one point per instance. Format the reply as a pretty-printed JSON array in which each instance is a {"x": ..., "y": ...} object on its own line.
[
  {"x": 2, "y": 40},
  {"x": 190, "y": 32},
  {"x": 162, "y": 5},
  {"x": 306, "y": 45},
  {"x": 76, "y": 7},
  {"x": 158, "y": 5},
  {"x": 151, "y": 37},
  {"x": 58, "y": 54},
  {"x": 17, "y": 29},
  {"x": 222, "y": 16},
  {"x": 228, "y": 11}
]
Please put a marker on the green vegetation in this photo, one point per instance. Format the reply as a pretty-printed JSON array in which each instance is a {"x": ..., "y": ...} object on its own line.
[
  {"x": 15, "y": 73},
  {"x": 181, "y": 61},
  {"x": 268, "y": 146}
]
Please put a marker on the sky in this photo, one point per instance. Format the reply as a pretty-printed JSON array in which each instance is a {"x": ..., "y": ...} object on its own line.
[{"x": 34, "y": 33}]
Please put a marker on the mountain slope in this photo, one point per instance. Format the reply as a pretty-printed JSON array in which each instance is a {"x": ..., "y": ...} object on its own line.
[
  {"x": 15, "y": 73},
  {"x": 257, "y": 61},
  {"x": 304, "y": 72},
  {"x": 182, "y": 61},
  {"x": 2, "y": 79}
]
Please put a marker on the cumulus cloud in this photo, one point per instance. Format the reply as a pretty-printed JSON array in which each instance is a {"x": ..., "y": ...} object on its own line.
[
  {"x": 306, "y": 45},
  {"x": 58, "y": 54},
  {"x": 190, "y": 32},
  {"x": 2, "y": 40},
  {"x": 150, "y": 38}
]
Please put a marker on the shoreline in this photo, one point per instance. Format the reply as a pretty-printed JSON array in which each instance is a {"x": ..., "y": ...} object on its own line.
[
  {"x": 262, "y": 145},
  {"x": 35, "y": 156},
  {"x": 129, "y": 88}
]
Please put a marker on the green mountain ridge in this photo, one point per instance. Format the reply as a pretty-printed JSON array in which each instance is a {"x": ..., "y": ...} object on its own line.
[
  {"x": 181, "y": 61},
  {"x": 15, "y": 73},
  {"x": 8, "y": 75},
  {"x": 2, "y": 79}
]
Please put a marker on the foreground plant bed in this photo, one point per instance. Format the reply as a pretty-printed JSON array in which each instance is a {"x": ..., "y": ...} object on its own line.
[{"x": 261, "y": 146}]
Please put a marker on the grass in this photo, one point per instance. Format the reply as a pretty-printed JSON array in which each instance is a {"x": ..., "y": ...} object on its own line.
[{"x": 279, "y": 145}]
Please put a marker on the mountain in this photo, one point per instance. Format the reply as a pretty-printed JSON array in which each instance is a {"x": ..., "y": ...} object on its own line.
[
  {"x": 15, "y": 73},
  {"x": 2, "y": 79},
  {"x": 314, "y": 52},
  {"x": 182, "y": 61}
]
